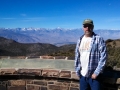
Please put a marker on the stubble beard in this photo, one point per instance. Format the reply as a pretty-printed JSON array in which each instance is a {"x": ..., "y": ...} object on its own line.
[{"x": 88, "y": 33}]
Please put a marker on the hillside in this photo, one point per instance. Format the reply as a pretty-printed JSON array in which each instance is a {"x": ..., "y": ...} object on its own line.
[
  {"x": 113, "y": 48},
  {"x": 10, "y": 47}
]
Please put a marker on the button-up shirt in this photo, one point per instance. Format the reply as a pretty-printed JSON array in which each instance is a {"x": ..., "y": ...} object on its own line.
[{"x": 97, "y": 57}]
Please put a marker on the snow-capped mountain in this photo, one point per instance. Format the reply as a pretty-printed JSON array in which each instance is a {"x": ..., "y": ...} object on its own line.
[{"x": 57, "y": 36}]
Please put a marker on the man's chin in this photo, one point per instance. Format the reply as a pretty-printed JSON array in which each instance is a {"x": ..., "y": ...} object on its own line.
[{"x": 88, "y": 33}]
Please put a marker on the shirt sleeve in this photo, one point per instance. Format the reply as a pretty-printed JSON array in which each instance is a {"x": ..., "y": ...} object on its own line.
[
  {"x": 77, "y": 59},
  {"x": 103, "y": 57}
]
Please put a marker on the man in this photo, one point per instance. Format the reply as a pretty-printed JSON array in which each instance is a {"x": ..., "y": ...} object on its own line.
[{"x": 90, "y": 57}]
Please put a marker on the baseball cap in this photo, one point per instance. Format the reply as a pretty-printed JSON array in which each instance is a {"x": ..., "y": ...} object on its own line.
[{"x": 88, "y": 21}]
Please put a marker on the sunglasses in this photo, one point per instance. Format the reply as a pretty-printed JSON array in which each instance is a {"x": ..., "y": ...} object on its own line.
[{"x": 87, "y": 25}]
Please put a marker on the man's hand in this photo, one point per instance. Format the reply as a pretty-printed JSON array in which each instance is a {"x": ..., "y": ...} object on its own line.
[{"x": 94, "y": 76}]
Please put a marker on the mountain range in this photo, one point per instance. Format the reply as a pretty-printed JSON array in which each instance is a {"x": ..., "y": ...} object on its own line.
[{"x": 57, "y": 36}]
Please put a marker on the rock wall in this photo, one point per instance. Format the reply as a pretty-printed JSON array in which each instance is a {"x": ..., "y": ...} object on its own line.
[
  {"x": 46, "y": 79},
  {"x": 37, "y": 79}
]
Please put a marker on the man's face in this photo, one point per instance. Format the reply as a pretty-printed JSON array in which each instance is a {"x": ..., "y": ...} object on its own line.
[{"x": 88, "y": 29}]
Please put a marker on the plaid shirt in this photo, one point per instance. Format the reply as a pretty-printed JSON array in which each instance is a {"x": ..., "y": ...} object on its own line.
[{"x": 97, "y": 57}]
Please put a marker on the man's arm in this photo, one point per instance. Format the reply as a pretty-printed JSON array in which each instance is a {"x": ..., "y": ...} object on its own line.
[
  {"x": 103, "y": 58},
  {"x": 77, "y": 59}
]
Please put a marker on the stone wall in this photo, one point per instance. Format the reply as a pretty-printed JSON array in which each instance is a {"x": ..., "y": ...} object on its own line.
[
  {"x": 38, "y": 79},
  {"x": 48, "y": 79}
]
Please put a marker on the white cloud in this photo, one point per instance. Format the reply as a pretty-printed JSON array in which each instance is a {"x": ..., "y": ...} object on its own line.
[
  {"x": 23, "y": 15},
  {"x": 80, "y": 10},
  {"x": 7, "y": 18},
  {"x": 109, "y": 4},
  {"x": 33, "y": 19},
  {"x": 113, "y": 19}
]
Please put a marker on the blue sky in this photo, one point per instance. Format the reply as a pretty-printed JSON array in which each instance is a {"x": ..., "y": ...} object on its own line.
[{"x": 59, "y": 13}]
